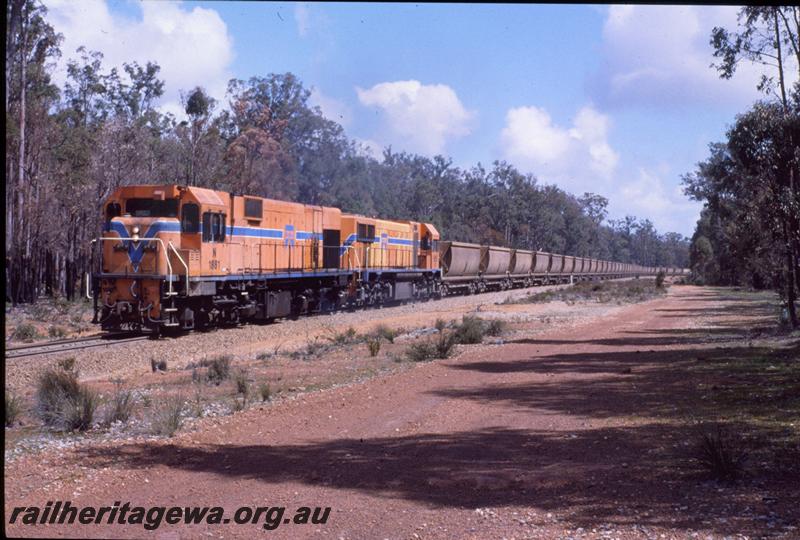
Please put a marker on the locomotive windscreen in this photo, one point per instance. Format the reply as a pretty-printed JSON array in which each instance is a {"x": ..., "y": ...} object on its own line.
[{"x": 152, "y": 207}]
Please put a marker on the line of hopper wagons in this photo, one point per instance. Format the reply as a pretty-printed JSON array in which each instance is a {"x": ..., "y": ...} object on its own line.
[{"x": 474, "y": 268}]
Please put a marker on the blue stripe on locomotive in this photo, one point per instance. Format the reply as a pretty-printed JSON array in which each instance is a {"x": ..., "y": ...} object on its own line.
[{"x": 136, "y": 250}]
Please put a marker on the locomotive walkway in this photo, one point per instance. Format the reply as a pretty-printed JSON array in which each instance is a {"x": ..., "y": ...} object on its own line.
[{"x": 580, "y": 432}]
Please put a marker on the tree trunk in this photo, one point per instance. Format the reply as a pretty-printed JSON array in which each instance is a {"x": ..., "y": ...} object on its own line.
[
  {"x": 790, "y": 279},
  {"x": 779, "y": 58},
  {"x": 12, "y": 24},
  {"x": 21, "y": 156}
]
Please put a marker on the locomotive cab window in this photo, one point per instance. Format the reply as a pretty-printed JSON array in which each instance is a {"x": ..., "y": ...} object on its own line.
[
  {"x": 426, "y": 243},
  {"x": 113, "y": 210},
  {"x": 190, "y": 218},
  {"x": 152, "y": 207},
  {"x": 365, "y": 233},
  {"x": 213, "y": 227},
  {"x": 220, "y": 223},
  {"x": 253, "y": 208}
]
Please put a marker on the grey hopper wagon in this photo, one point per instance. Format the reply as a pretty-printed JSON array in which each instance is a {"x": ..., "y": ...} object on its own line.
[
  {"x": 496, "y": 261},
  {"x": 569, "y": 264},
  {"x": 542, "y": 265},
  {"x": 557, "y": 264},
  {"x": 460, "y": 261},
  {"x": 521, "y": 262}
]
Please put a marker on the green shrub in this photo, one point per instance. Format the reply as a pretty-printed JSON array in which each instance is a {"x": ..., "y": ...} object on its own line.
[
  {"x": 660, "y": 280},
  {"x": 56, "y": 388},
  {"x": 440, "y": 325},
  {"x": 121, "y": 406},
  {"x": 374, "y": 346},
  {"x": 25, "y": 332},
  {"x": 313, "y": 348},
  {"x": 80, "y": 413},
  {"x": 61, "y": 303},
  {"x": 718, "y": 454},
  {"x": 238, "y": 404},
  {"x": 241, "y": 382},
  {"x": 444, "y": 345},
  {"x": 168, "y": 417},
  {"x": 470, "y": 331},
  {"x": 383, "y": 331},
  {"x": 537, "y": 298},
  {"x": 441, "y": 348},
  {"x": 344, "y": 338},
  {"x": 56, "y": 332},
  {"x": 495, "y": 327},
  {"x": 219, "y": 368},
  {"x": 41, "y": 312},
  {"x": 265, "y": 391},
  {"x": 68, "y": 364},
  {"x": 421, "y": 352},
  {"x": 197, "y": 402},
  {"x": 62, "y": 402},
  {"x": 13, "y": 408}
]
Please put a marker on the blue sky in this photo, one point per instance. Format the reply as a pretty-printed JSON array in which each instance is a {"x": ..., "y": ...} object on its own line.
[{"x": 614, "y": 100}]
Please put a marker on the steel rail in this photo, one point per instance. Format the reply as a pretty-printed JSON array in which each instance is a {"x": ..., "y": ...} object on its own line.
[{"x": 39, "y": 349}]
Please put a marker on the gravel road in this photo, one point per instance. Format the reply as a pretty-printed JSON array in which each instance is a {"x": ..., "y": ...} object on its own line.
[{"x": 566, "y": 434}]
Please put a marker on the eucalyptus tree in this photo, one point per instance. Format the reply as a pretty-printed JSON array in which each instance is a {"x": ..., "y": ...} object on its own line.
[
  {"x": 764, "y": 142},
  {"x": 31, "y": 47}
]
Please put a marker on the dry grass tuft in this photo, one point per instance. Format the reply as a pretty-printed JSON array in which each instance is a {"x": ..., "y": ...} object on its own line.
[{"x": 720, "y": 455}]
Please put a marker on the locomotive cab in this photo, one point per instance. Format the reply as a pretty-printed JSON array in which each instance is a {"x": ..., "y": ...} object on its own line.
[
  {"x": 141, "y": 225},
  {"x": 428, "y": 257},
  {"x": 153, "y": 238}
]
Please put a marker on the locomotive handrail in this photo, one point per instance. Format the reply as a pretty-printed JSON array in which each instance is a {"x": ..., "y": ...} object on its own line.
[
  {"x": 166, "y": 253},
  {"x": 88, "y": 294},
  {"x": 358, "y": 260},
  {"x": 186, "y": 266}
]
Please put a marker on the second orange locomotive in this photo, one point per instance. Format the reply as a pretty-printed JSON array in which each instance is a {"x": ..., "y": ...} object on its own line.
[{"x": 186, "y": 257}]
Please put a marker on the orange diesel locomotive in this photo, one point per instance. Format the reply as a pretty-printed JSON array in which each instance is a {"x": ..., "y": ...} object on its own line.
[{"x": 189, "y": 257}]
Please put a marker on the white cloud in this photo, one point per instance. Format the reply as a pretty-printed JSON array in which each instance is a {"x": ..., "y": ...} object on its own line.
[
  {"x": 331, "y": 108},
  {"x": 648, "y": 196},
  {"x": 192, "y": 46},
  {"x": 580, "y": 159},
  {"x": 302, "y": 18},
  {"x": 420, "y": 118},
  {"x": 369, "y": 148},
  {"x": 661, "y": 56},
  {"x": 577, "y": 158}
]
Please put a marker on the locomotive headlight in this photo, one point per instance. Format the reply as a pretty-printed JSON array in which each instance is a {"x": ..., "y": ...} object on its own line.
[
  {"x": 135, "y": 234},
  {"x": 136, "y": 230}
]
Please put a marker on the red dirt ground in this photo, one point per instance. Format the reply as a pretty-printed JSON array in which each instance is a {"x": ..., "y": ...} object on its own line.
[{"x": 577, "y": 433}]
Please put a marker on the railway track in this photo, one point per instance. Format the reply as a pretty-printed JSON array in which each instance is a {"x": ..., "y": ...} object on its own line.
[{"x": 66, "y": 345}]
